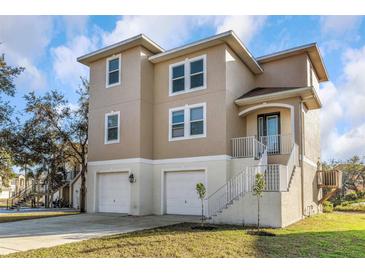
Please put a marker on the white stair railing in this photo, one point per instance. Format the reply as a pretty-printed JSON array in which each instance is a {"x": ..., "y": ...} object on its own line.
[
  {"x": 236, "y": 187},
  {"x": 247, "y": 147}
]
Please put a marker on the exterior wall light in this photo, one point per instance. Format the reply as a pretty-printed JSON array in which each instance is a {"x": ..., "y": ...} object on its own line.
[{"x": 131, "y": 178}]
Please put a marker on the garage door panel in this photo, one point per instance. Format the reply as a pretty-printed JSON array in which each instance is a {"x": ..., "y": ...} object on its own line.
[
  {"x": 114, "y": 193},
  {"x": 181, "y": 196}
]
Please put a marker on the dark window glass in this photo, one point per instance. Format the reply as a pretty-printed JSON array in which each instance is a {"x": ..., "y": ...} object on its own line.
[
  {"x": 112, "y": 134},
  {"x": 113, "y": 77},
  {"x": 196, "y": 80},
  {"x": 114, "y": 64},
  {"x": 178, "y": 130},
  {"x": 196, "y": 66},
  {"x": 178, "y": 71},
  {"x": 178, "y": 85},
  {"x": 196, "y": 128}
]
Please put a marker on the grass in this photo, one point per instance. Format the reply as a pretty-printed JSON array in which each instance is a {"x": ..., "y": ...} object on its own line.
[
  {"x": 13, "y": 217},
  {"x": 325, "y": 235}
]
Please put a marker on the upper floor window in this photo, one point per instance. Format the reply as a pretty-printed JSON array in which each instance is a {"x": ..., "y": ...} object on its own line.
[
  {"x": 112, "y": 125},
  {"x": 187, "y": 76},
  {"x": 187, "y": 122},
  {"x": 113, "y": 71}
]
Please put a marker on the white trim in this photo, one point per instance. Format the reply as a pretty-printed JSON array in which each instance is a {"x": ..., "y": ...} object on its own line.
[
  {"x": 228, "y": 37},
  {"x": 119, "y": 57},
  {"x": 187, "y": 76},
  {"x": 187, "y": 135},
  {"x": 222, "y": 157},
  {"x": 156, "y": 47},
  {"x": 106, "y": 142},
  {"x": 309, "y": 161},
  {"x": 163, "y": 184}
]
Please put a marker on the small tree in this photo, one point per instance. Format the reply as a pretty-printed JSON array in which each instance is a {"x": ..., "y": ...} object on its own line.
[
  {"x": 201, "y": 190},
  {"x": 258, "y": 189}
]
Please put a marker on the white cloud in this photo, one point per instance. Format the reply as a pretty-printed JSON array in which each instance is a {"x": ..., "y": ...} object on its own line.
[
  {"x": 24, "y": 41},
  {"x": 173, "y": 31},
  {"x": 65, "y": 66},
  {"x": 245, "y": 26},
  {"x": 342, "y": 117},
  {"x": 339, "y": 25},
  {"x": 74, "y": 25}
]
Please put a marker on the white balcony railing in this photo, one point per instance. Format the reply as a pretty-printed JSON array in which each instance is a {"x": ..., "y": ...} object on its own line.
[
  {"x": 247, "y": 147},
  {"x": 277, "y": 144}
]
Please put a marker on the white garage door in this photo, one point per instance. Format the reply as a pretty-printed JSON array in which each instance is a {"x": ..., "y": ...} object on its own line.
[
  {"x": 114, "y": 192},
  {"x": 181, "y": 196}
]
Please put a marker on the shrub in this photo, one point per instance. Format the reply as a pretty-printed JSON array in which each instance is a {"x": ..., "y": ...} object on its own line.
[
  {"x": 327, "y": 207},
  {"x": 351, "y": 196},
  {"x": 361, "y": 194},
  {"x": 351, "y": 207}
]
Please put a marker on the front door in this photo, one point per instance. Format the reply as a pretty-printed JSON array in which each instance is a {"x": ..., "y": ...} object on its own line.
[{"x": 269, "y": 131}]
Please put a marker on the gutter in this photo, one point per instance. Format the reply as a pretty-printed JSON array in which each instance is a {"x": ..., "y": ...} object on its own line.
[{"x": 302, "y": 156}]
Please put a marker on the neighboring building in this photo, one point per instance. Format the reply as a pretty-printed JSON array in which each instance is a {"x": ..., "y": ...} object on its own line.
[{"x": 162, "y": 121}]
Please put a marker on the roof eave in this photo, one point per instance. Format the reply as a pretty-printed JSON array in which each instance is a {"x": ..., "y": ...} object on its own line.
[
  {"x": 283, "y": 95},
  {"x": 139, "y": 39},
  {"x": 313, "y": 52},
  {"x": 228, "y": 37}
]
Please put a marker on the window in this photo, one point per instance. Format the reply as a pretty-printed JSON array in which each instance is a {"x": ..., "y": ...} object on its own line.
[
  {"x": 113, "y": 71},
  {"x": 196, "y": 121},
  {"x": 112, "y": 127},
  {"x": 187, "y": 122},
  {"x": 178, "y": 124},
  {"x": 178, "y": 78},
  {"x": 188, "y": 76}
]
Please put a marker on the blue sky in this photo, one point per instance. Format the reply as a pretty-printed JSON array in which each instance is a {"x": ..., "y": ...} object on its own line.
[{"x": 49, "y": 45}]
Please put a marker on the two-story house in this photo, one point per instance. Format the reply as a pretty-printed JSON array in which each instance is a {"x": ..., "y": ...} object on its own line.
[{"x": 162, "y": 121}]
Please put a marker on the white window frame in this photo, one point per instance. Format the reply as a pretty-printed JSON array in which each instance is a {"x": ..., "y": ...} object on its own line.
[
  {"x": 187, "y": 75},
  {"x": 106, "y": 141},
  {"x": 119, "y": 57},
  {"x": 187, "y": 135}
]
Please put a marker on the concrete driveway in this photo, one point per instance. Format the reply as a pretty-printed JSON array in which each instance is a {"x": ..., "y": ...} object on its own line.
[{"x": 47, "y": 232}]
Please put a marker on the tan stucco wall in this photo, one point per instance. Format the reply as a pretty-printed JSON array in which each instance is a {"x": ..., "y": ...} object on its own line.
[
  {"x": 311, "y": 193},
  {"x": 213, "y": 96},
  {"x": 291, "y": 204},
  {"x": 239, "y": 79},
  {"x": 131, "y": 98},
  {"x": 312, "y": 135},
  {"x": 287, "y": 72}
]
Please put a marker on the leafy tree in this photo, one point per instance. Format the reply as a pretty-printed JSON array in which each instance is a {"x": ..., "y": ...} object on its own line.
[
  {"x": 68, "y": 126},
  {"x": 201, "y": 190},
  {"x": 6, "y": 171},
  {"x": 7, "y": 86},
  {"x": 258, "y": 189}
]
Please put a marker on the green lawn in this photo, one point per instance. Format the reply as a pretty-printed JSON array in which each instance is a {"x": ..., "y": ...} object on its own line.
[
  {"x": 325, "y": 235},
  {"x": 13, "y": 217}
]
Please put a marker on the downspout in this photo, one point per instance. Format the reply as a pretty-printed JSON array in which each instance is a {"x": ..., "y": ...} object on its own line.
[{"x": 301, "y": 122}]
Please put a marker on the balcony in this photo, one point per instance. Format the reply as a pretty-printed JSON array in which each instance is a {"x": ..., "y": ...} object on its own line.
[
  {"x": 329, "y": 178},
  {"x": 249, "y": 147}
]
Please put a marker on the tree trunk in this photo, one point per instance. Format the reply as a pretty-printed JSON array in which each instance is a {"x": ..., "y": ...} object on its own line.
[
  {"x": 83, "y": 189},
  {"x": 202, "y": 213}
]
